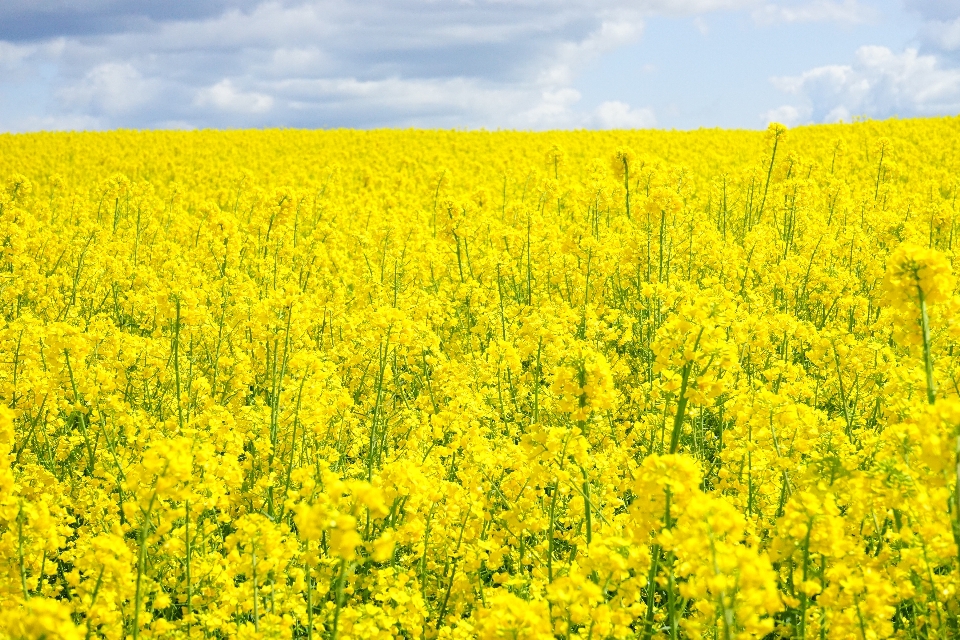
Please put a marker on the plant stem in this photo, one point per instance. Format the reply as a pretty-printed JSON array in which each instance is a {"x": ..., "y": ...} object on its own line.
[
  {"x": 553, "y": 510},
  {"x": 256, "y": 612},
  {"x": 309, "y": 605},
  {"x": 141, "y": 564},
  {"x": 586, "y": 505},
  {"x": 189, "y": 584},
  {"x": 176, "y": 363},
  {"x": 681, "y": 409},
  {"x": 23, "y": 573},
  {"x": 766, "y": 187},
  {"x": 927, "y": 358},
  {"x": 339, "y": 597},
  {"x": 626, "y": 182}
]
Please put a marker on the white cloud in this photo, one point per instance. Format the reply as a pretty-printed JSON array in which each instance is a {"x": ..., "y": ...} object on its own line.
[
  {"x": 940, "y": 30},
  {"x": 226, "y": 97},
  {"x": 111, "y": 88},
  {"x": 554, "y": 110},
  {"x": 568, "y": 57},
  {"x": 446, "y": 102},
  {"x": 619, "y": 115},
  {"x": 558, "y": 110},
  {"x": 330, "y": 61},
  {"x": 942, "y": 34},
  {"x": 341, "y": 62},
  {"x": 935, "y": 9},
  {"x": 57, "y": 123},
  {"x": 848, "y": 11},
  {"x": 12, "y": 55},
  {"x": 879, "y": 84},
  {"x": 286, "y": 62},
  {"x": 787, "y": 115},
  {"x": 410, "y": 102}
]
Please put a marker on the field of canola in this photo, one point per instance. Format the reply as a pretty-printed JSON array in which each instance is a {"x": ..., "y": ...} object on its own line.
[{"x": 496, "y": 385}]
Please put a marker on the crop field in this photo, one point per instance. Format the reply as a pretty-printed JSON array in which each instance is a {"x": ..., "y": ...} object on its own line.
[{"x": 412, "y": 384}]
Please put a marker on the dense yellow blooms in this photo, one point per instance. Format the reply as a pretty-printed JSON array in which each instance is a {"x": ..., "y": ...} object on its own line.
[{"x": 415, "y": 384}]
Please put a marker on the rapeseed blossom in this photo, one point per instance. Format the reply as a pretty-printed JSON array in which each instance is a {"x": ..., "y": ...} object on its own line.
[{"x": 427, "y": 384}]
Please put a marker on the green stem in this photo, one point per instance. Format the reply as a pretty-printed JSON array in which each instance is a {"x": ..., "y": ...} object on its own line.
[
  {"x": 141, "y": 564},
  {"x": 309, "y": 605},
  {"x": 81, "y": 417},
  {"x": 256, "y": 612},
  {"x": 927, "y": 358},
  {"x": 681, "y": 408},
  {"x": 186, "y": 527},
  {"x": 956, "y": 504},
  {"x": 651, "y": 591},
  {"x": 766, "y": 187},
  {"x": 339, "y": 597},
  {"x": 553, "y": 510},
  {"x": 586, "y": 505},
  {"x": 23, "y": 572},
  {"x": 176, "y": 363},
  {"x": 876, "y": 193},
  {"x": 803, "y": 592},
  {"x": 626, "y": 182},
  {"x": 93, "y": 600}
]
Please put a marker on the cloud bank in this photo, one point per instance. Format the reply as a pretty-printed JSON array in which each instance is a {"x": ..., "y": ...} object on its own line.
[
  {"x": 879, "y": 84},
  {"x": 108, "y": 63},
  {"x": 347, "y": 63},
  {"x": 921, "y": 80}
]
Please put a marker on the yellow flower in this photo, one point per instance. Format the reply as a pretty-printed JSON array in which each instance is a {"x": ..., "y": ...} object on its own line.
[
  {"x": 39, "y": 619},
  {"x": 914, "y": 271},
  {"x": 508, "y": 616}
]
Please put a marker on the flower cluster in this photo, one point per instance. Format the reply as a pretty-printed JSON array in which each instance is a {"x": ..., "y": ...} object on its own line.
[{"x": 498, "y": 385}]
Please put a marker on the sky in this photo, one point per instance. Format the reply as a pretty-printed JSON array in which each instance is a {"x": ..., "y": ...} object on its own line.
[{"x": 471, "y": 64}]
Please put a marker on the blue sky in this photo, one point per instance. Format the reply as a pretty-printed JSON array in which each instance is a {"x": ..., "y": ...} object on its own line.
[{"x": 527, "y": 64}]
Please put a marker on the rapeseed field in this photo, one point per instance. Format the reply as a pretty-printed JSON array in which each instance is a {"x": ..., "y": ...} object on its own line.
[{"x": 423, "y": 384}]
